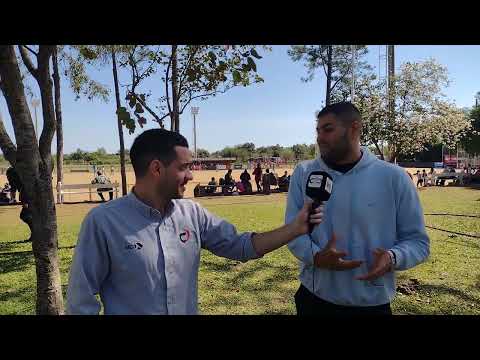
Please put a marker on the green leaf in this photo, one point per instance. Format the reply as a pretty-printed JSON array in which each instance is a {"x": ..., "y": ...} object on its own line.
[
  {"x": 88, "y": 53},
  {"x": 142, "y": 121},
  {"x": 138, "y": 108},
  {"x": 142, "y": 96},
  {"x": 246, "y": 68},
  {"x": 236, "y": 77},
  {"x": 252, "y": 64},
  {"x": 132, "y": 102},
  {"x": 255, "y": 54},
  {"x": 212, "y": 56}
]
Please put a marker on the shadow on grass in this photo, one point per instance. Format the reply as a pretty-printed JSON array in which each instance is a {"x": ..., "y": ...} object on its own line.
[
  {"x": 24, "y": 300},
  {"x": 445, "y": 290},
  {"x": 11, "y": 245},
  {"x": 463, "y": 242},
  {"x": 260, "y": 285},
  {"x": 18, "y": 261}
]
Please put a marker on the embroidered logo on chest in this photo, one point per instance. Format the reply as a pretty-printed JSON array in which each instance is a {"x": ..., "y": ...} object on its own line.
[
  {"x": 185, "y": 235},
  {"x": 137, "y": 246}
]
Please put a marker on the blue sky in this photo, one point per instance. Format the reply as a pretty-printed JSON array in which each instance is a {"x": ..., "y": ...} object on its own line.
[{"x": 280, "y": 110}]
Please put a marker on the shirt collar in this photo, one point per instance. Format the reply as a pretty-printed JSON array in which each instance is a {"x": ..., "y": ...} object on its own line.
[{"x": 147, "y": 210}]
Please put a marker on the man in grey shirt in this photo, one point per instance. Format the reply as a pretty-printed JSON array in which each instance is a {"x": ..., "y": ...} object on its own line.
[{"x": 141, "y": 253}]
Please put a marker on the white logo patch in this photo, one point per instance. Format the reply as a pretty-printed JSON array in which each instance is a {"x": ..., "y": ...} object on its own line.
[{"x": 315, "y": 181}]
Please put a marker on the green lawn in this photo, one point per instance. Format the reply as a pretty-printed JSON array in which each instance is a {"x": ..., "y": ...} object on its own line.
[{"x": 448, "y": 283}]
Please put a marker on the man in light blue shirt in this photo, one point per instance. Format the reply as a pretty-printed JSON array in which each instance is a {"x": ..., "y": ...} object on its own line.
[
  {"x": 141, "y": 253},
  {"x": 373, "y": 224}
]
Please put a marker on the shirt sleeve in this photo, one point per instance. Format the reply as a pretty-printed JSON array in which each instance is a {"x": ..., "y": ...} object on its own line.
[
  {"x": 413, "y": 244},
  {"x": 221, "y": 238},
  {"x": 90, "y": 267},
  {"x": 302, "y": 247}
]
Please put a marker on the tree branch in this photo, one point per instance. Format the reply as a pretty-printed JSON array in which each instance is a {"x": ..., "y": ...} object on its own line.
[
  {"x": 13, "y": 92},
  {"x": 45, "y": 83},
  {"x": 146, "y": 107},
  {"x": 27, "y": 61},
  {"x": 184, "y": 72},
  {"x": 324, "y": 62},
  {"x": 167, "y": 95},
  {"x": 6, "y": 145},
  {"x": 202, "y": 95},
  {"x": 336, "y": 82},
  {"x": 33, "y": 52}
]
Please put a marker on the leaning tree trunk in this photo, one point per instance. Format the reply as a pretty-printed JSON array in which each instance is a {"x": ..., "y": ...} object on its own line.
[
  {"x": 379, "y": 150},
  {"x": 175, "y": 99},
  {"x": 329, "y": 74},
  {"x": 58, "y": 115},
  {"x": 120, "y": 128},
  {"x": 33, "y": 163}
]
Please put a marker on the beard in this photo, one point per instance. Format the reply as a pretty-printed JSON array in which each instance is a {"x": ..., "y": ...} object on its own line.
[
  {"x": 337, "y": 152},
  {"x": 170, "y": 190}
]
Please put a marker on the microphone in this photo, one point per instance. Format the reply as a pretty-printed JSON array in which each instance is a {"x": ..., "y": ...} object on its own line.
[{"x": 319, "y": 188}]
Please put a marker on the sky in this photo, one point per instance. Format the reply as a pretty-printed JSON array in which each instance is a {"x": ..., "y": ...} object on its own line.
[{"x": 279, "y": 111}]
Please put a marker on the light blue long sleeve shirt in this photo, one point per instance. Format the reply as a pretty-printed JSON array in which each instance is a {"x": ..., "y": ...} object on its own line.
[
  {"x": 373, "y": 205},
  {"x": 140, "y": 262}
]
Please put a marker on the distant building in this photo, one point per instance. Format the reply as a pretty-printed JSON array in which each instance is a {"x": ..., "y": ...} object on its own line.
[{"x": 212, "y": 163}]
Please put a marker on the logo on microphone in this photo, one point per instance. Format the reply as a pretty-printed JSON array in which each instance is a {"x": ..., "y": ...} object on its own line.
[
  {"x": 315, "y": 181},
  {"x": 329, "y": 185}
]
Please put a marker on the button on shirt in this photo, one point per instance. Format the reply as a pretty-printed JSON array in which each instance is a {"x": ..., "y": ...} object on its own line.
[{"x": 141, "y": 262}]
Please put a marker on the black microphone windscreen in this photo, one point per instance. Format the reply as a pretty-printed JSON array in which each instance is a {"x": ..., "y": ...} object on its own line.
[{"x": 319, "y": 186}]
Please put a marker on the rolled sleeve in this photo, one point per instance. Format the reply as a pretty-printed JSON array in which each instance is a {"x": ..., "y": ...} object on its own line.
[{"x": 221, "y": 238}]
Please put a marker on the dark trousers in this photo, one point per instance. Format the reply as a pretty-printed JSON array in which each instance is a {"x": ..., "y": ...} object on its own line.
[
  {"x": 259, "y": 188},
  {"x": 100, "y": 193},
  {"x": 309, "y": 304}
]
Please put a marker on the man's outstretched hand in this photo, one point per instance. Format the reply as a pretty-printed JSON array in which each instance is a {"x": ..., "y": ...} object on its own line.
[
  {"x": 330, "y": 258},
  {"x": 382, "y": 264}
]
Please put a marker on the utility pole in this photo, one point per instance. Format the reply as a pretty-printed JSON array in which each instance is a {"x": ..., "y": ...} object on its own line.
[
  {"x": 353, "y": 74},
  {"x": 391, "y": 75},
  {"x": 391, "y": 89},
  {"x": 194, "y": 113}
]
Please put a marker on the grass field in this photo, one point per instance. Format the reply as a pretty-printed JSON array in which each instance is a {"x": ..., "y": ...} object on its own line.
[{"x": 448, "y": 283}]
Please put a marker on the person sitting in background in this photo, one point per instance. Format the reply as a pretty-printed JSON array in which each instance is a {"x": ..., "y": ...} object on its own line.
[
  {"x": 229, "y": 178},
  {"x": 245, "y": 178},
  {"x": 102, "y": 179},
  {"x": 5, "y": 194},
  {"x": 283, "y": 182},
  {"x": 211, "y": 189}
]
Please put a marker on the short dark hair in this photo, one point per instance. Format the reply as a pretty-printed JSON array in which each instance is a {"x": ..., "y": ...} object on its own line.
[
  {"x": 345, "y": 111},
  {"x": 155, "y": 144}
]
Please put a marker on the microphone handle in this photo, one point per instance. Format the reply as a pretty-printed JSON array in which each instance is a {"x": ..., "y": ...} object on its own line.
[{"x": 315, "y": 205}]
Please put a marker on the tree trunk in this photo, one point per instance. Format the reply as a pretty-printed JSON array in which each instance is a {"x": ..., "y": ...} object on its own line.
[
  {"x": 120, "y": 128},
  {"x": 329, "y": 74},
  {"x": 34, "y": 167},
  {"x": 58, "y": 114},
  {"x": 379, "y": 150},
  {"x": 175, "y": 99}
]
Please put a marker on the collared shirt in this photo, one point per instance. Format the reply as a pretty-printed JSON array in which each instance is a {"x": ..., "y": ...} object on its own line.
[{"x": 141, "y": 262}]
